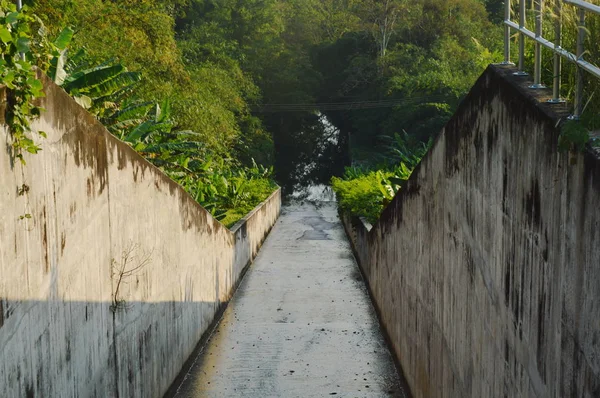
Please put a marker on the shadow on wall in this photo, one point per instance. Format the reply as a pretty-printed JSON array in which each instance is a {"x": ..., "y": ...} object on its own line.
[
  {"x": 83, "y": 337},
  {"x": 485, "y": 268},
  {"x": 110, "y": 271}
]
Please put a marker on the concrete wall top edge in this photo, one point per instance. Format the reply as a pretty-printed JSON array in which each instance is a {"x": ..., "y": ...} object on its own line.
[
  {"x": 259, "y": 206},
  {"x": 127, "y": 153}
]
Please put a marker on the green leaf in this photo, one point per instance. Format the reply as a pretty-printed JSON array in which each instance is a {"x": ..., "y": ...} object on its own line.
[
  {"x": 140, "y": 147},
  {"x": 139, "y": 131},
  {"x": 33, "y": 149},
  {"x": 36, "y": 86},
  {"x": 144, "y": 129},
  {"x": 23, "y": 65},
  {"x": 163, "y": 113},
  {"x": 5, "y": 35},
  {"x": 397, "y": 181},
  {"x": 88, "y": 79},
  {"x": 57, "y": 71},
  {"x": 118, "y": 82},
  {"x": 8, "y": 80},
  {"x": 78, "y": 60},
  {"x": 12, "y": 17},
  {"x": 157, "y": 113},
  {"x": 574, "y": 136},
  {"x": 64, "y": 39},
  {"x": 23, "y": 44},
  {"x": 136, "y": 110}
]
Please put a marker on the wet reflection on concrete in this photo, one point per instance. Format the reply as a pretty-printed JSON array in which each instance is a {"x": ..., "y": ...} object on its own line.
[{"x": 301, "y": 323}]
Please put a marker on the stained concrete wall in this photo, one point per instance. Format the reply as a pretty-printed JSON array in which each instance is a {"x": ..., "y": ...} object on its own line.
[
  {"x": 97, "y": 208},
  {"x": 486, "y": 266}
]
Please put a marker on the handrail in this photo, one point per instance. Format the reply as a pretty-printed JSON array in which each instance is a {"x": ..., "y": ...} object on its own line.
[
  {"x": 554, "y": 46},
  {"x": 584, "y": 5}
]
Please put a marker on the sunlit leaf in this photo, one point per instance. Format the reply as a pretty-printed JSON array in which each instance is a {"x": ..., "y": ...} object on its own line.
[{"x": 5, "y": 35}]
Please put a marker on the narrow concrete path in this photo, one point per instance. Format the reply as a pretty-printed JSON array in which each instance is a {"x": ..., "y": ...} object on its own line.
[{"x": 301, "y": 323}]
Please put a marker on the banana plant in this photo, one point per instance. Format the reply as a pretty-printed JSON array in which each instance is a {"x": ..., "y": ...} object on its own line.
[
  {"x": 403, "y": 149},
  {"x": 130, "y": 115},
  {"x": 159, "y": 123},
  {"x": 90, "y": 86},
  {"x": 57, "y": 70}
]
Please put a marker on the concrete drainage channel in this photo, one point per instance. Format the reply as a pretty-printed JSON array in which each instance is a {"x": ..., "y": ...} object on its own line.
[{"x": 301, "y": 323}]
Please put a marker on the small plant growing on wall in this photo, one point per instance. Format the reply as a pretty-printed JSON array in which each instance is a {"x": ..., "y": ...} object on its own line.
[
  {"x": 573, "y": 136},
  {"x": 132, "y": 261}
]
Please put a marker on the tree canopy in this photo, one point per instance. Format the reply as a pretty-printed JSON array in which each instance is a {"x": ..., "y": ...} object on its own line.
[{"x": 222, "y": 63}]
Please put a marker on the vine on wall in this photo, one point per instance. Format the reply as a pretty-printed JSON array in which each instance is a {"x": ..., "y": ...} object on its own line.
[{"x": 23, "y": 47}]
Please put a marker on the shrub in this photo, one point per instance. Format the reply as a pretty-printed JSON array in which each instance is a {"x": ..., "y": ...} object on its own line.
[{"x": 362, "y": 196}]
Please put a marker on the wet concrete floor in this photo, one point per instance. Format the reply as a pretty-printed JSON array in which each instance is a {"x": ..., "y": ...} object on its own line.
[{"x": 301, "y": 323}]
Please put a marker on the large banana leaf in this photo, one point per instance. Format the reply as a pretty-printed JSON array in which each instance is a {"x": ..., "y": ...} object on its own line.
[
  {"x": 145, "y": 129},
  {"x": 163, "y": 113},
  {"x": 118, "y": 127},
  {"x": 87, "y": 79},
  {"x": 77, "y": 61},
  {"x": 134, "y": 111},
  {"x": 57, "y": 71},
  {"x": 108, "y": 87},
  {"x": 64, "y": 39}
]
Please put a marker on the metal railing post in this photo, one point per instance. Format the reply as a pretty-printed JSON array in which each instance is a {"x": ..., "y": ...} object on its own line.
[
  {"x": 19, "y": 7},
  {"x": 537, "y": 69},
  {"x": 521, "y": 65},
  {"x": 556, "y": 99},
  {"x": 581, "y": 33},
  {"x": 507, "y": 10}
]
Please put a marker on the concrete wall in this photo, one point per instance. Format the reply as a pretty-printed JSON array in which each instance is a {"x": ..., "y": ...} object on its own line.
[
  {"x": 97, "y": 209},
  {"x": 486, "y": 267}
]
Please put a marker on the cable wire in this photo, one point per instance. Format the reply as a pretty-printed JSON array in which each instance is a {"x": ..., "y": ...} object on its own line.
[{"x": 341, "y": 106}]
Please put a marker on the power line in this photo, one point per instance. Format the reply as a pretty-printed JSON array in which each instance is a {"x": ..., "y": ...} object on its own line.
[{"x": 356, "y": 105}]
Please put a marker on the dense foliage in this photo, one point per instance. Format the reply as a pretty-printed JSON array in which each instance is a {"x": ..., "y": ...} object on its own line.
[
  {"x": 409, "y": 61},
  {"x": 366, "y": 191},
  {"x": 201, "y": 163},
  {"x": 362, "y": 194},
  {"x": 428, "y": 67},
  {"x": 306, "y": 86},
  {"x": 221, "y": 63},
  {"x": 21, "y": 48}
]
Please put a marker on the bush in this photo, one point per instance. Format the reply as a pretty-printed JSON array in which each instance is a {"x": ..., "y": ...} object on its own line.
[
  {"x": 363, "y": 196},
  {"x": 365, "y": 193},
  {"x": 229, "y": 193},
  {"x": 256, "y": 191}
]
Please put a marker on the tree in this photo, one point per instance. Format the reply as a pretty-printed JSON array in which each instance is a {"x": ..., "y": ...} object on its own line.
[{"x": 383, "y": 16}]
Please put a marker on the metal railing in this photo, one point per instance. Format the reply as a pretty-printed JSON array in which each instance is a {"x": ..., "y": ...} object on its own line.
[{"x": 554, "y": 46}]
